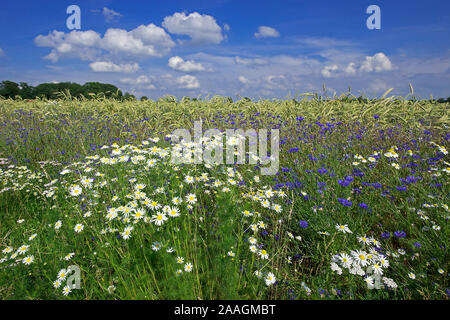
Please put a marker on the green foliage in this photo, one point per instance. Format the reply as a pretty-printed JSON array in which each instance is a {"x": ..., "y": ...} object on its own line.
[{"x": 9, "y": 89}]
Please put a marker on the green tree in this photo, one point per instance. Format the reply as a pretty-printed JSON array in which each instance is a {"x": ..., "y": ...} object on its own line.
[{"x": 9, "y": 89}]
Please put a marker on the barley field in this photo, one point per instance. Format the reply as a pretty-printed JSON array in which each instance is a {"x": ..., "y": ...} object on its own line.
[{"x": 359, "y": 208}]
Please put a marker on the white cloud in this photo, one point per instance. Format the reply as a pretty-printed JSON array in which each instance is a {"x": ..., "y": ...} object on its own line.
[
  {"x": 143, "y": 79},
  {"x": 178, "y": 63},
  {"x": 143, "y": 41},
  {"x": 266, "y": 32},
  {"x": 247, "y": 61},
  {"x": 243, "y": 80},
  {"x": 327, "y": 71},
  {"x": 149, "y": 40},
  {"x": 274, "y": 81},
  {"x": 350, "y": 69},
  {"x": 80, "y": 44},
  {"x": 226, "y": 27},
  {"x": 188, "y": 82},
  {"x": 201, "y": 28},
  {"x": 141, "y": 82},
  {"x": 324, "y": 42},
  {"x": 110, "y": 14},
  {"x": 378, "y": 62},
  {"x": 106, "y": 66}
]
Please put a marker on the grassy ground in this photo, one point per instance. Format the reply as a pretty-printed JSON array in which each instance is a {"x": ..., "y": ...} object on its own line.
[{"x": 362, "y": 190}]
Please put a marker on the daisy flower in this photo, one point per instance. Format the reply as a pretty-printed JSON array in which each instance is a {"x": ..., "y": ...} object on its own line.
[
  {"x": 377, "y": 269},
  {"x": 364, "y": 239},
  {"x": 270, "y": 279},
  {"x": 126, "y": 234},
  {"x": 343, "y": 228},
  {"x": 7, "y": 250},
  {"x": 263, "y": 254},
  {"x": 188, "y": 267},
  {"x": 247, "y": 213},
  {"x": 57, "y": 283},
  {"x": 346, "y": 260},
  {"x": 28, "y": 260},
  {"x": 22, "y": 249},
  {"x": 154, "y": 205},
  {"x": 277, "y": 208},
  {"x": 173, "y": 212},
  {"x": 69, "y": 256},
  {"x": 79, "y": 227},
  {"x": 62, "y": 274},
  {"x": 66, "y": 290},
  {"x": 180, "y": 260},
  {"x": 176, "y": 200},
  {"x": 159, "y": 218},
  {"x": 191, "y": 198},
  {"x": 156, "y": 246},
  {"x": 360, "y": 257},
  {"x": 75, "y": 190}
]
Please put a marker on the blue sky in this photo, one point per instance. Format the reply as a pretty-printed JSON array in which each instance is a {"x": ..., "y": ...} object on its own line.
[{"x": 267, "y": 49}]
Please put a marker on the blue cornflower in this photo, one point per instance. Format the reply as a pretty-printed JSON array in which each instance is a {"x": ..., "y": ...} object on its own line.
[
  {"x": 303, "y": 224},
  {"x": 400, "y": 234},
  {"x": 363, "y": 205},
  {"x": 345, "y": 202},
  {"x": 385, "y": 235}
]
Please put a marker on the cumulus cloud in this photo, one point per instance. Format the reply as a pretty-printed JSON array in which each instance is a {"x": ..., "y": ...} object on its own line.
[
  {"x": 149, "y": 40},
  {"x": 266, "y": 32},
  {"x": 244, "y": 80},
  {"x": 143, "y": 41},
  {"x": 177, "y": 63},
  {"x": 142, "y": 82},
  {"x": 139, "y": 80},
  {"x": 350, "y": 68},
  {"x": 110, "y": 14},
  {"x": 201, "y": 28},
  {"x": 106, "y": 66},
  {"x": 378, "y": 62},
  {"x": 327, "y": 71},
  {"x": 188, "y": 82},
  {"x": 80, "y": 44}
]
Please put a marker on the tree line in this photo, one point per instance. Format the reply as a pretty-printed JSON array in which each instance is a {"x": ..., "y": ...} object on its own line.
[{"x": 10, "y": 89}]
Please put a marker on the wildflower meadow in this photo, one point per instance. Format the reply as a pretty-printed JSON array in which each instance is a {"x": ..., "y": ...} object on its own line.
[{"x": 92, "y": 205}]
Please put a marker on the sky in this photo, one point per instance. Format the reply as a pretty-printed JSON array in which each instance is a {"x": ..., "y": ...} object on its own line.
[{"x": 258, "y": 49}]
